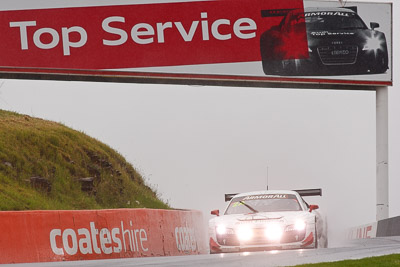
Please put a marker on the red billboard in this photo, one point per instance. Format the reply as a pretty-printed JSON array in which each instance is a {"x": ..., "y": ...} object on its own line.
[{"x": 265, "y": 41}]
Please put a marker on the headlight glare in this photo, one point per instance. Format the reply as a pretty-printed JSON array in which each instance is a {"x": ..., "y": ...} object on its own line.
[
  {"x": 221, "y": 229},
  {"x": 300, "y": 225},
  {"x": 244, "y": 232},
  {"x": 373, "y": 43},
  {"x": 274, "y": 231}
]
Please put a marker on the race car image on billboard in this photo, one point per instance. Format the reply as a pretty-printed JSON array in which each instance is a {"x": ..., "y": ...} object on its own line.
[
  {"x": 339, "y": 43},
  {"x": 266, "y": 220}
]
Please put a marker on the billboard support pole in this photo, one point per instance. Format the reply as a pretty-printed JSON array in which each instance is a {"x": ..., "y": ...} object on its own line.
[{"x": 382, "y": 151}]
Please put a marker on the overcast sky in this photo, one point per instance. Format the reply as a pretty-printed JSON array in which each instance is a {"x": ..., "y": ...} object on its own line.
[{"x": 195, "y": 143}]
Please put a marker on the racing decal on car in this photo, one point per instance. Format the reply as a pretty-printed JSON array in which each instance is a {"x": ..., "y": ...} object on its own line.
[
  {"x": 257, "y": 218},
  {"x": 323, "y": 33},
  {"x": 277, "y": 196},
  {"x": 337, "y": 13}
]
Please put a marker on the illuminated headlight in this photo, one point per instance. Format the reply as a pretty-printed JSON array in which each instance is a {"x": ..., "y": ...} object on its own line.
[
  {"x": 274, "y": 231},
  {"x": 244, "y": 232},
  {"x": 373, "y": 43},
  {"x": 221, "y": 229},
  {"x": 300, "y": 225}
]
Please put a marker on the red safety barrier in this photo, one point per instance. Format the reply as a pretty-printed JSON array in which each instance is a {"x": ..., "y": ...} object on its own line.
[
  {"x": 41, "y": 236},
  {"x": 363, "y": 231}
]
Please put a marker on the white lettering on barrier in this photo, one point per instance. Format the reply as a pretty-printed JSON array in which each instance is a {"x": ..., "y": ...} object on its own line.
[
  {"x": 185, "y": 239},
  {"x": 363, "y": 231},
  {"x": 85, "y": 240}
]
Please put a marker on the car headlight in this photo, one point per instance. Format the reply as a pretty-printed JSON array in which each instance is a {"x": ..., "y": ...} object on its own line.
[
  {"x": 244, "y": 232},
  {"x": 373, "y": 43},
  {"x": 300, "y": 225},
  {"x": 274, "y": 231},
  {"x": 221, "y": 229}
]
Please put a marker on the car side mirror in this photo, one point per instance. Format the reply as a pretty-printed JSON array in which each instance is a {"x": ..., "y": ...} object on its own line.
[
  {"x": 313, "y": 207},
  {"x": 374, "y": 25},
  {"x": 215, "y": 212}
]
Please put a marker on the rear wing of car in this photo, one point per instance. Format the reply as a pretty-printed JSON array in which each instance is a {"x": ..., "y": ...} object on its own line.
[
  {"x": 275, "y": 12},
  {"x": 309, "y": 192},
  {"x": 266, "y": 13},
  {"x": 301, "y": 192},
  {"x": 354, "y": 8},
  {"x": 228, "y": 197}
]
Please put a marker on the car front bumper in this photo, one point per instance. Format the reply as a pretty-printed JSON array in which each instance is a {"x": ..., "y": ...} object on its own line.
[
  {"x": 319, "y": 63},
  {"x": 307, "y": 242}
]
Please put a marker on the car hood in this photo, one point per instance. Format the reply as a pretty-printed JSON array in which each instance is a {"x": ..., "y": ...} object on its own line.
[{"x": 287, "y": 217}]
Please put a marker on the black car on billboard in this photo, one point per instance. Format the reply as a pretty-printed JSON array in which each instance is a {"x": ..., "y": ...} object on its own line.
[{"x": 339, "y": 43}]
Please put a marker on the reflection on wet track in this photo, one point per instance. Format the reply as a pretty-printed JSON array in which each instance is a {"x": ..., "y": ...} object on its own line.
[{"x": 355, "y": 250}]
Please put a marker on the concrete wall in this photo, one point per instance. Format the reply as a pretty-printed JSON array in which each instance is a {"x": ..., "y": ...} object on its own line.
[{"x": 41, "y": 236}]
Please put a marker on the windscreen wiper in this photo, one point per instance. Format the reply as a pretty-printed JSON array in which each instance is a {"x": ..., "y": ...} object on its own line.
[{"x": 249, "y": 207}]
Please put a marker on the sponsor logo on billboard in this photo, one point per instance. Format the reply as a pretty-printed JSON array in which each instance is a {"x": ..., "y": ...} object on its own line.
[
  {"x": 312, "y": 42},
  {"x": 52, "y": 35},
  {"x": 140, "y": 33}
]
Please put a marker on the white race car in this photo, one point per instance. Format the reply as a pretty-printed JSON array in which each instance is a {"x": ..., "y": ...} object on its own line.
[{"x": 266, "y": 220}]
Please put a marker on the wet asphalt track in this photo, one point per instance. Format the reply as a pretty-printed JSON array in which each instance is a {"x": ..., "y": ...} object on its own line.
[{"x": 356, "y": 250}]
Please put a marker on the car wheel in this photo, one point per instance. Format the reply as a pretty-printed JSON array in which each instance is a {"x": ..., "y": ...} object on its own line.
[
  {"x": 316, "y": 237},
  {"x": 271, "y": 67},
  {"x": 325, "y": 244},
  {"x": 381, "y": 65},
  {"x": 381, "y": 62},
  {"x": 289, "y": 67},
  {"x": 325, "y": 234},
  {"x": 271, "y": 63}
]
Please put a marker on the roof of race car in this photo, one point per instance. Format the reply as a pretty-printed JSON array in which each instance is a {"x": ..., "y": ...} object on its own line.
[
  {"x": 267, "y": 192},
  {"x": 328, "y": 9}
]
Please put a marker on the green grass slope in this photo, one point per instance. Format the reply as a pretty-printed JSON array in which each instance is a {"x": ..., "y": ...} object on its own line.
[
  {"x": 42, "y": 164},
  {"x": 382, "y": 261}
]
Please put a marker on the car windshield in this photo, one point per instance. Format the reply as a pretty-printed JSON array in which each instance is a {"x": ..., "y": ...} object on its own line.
[
  {"x": 325, "y": 21},
  {"x": 263, "y": 203}
]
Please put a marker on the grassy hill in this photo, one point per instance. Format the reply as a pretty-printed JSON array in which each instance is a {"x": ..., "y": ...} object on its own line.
[{"x": 45, "y": 165}]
